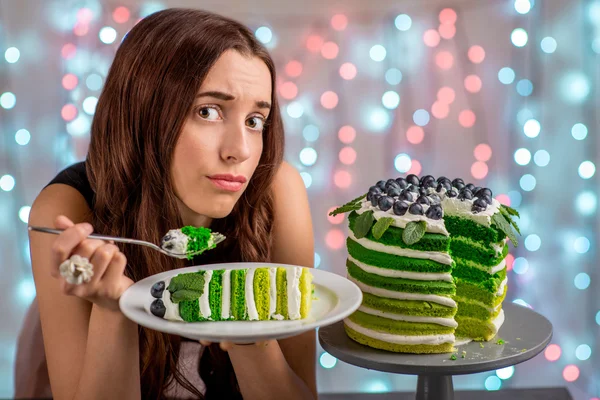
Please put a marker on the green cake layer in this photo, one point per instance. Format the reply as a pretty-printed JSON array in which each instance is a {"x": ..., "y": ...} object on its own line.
[
  {"x": 469, "y": 249},
  {"x": 484, "y": 291},
  {"x": 238, "y": 294},
  {"x": 474, "y": 328},
  {"x": 282, "y": 301},
  {"x": 408, "y": 307},
  {"x": 476, "y": 311},
  {"x": 475, "y": 275},
  {"x": 395, "y": 327},
  {"x": 306, "y": 288},
  {"x": 393, "y": 237},
  {"x": 399, "y": 348},
  {"x": 470, "y": 269},
  {"x": 190, "y": 310},
  {"x": 261, "y": 292},
  {"x": 391, "y": 261},
  {"x": 468, "y": 228},
  {"x": 400, "y": 284},
  {"x": 215, "y": 287}
]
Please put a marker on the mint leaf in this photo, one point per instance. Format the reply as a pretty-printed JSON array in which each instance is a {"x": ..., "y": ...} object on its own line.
[
  {"x": 510, "y": 210},
  {"x": 381, "y": 226},
  {"x": 188, "y": 281},
  {"x": 363, "y": 224},
  {"x": 414, "y": 231},
  {"x": 500, "y": 220},
  {"x": 509, "y": 219},
  {"x": 185, "y": 295},
  {"x": 352, "y": 205}
]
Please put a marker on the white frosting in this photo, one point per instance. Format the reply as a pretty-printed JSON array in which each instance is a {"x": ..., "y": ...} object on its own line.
[
  {"x": 446, "y": 301},
  {"x": 178, "y": 243},
  {"x": 462, "y": 208},
  {"x": 409, "y": 318},
  {"x": 400, "y": 221},
  {"x": 437, "y": 256},
  {"x": 172, "y": 309},
  {"x": 76, "y": 270},
  {"x": 499, "y": 247},
  {"x": 498, "y": 321},
  {"x": 204, "y": 303},
  {"x": 498, "y": 267},
  {"x": 272, "y": 290},
  {"x": 462, "y": 341},
  {"x": 226, "y": 294},
  {"x": 490, "y": 270},
  {"x": 400, "y": 339},
  {"x": 500, "y": 291},
  {"x": 249, "y": 288},
  {"x": 392, "y": 273},
  {"x": 278, "y": 317},
  {"x": 293, "y": 291}
]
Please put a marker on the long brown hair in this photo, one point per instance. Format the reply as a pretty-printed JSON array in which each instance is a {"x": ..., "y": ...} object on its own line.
[{"x": 148, "y": 93}]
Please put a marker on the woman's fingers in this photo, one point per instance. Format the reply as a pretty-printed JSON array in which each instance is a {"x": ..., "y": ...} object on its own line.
[
  {"x": 205, "y": 343},
  {"x": 67, "y": 241}
]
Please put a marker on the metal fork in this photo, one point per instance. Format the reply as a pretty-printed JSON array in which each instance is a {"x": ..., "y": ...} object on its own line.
[{"x": 217, "y": 238}]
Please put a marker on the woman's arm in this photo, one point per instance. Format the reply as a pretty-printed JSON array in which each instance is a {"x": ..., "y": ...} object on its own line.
[
  {"x": 92, "y": 352},
  {"x": 283, "y": 369}
]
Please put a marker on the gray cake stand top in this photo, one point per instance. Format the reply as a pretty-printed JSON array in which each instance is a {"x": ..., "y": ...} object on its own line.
[{"x": 525, "y": 334}]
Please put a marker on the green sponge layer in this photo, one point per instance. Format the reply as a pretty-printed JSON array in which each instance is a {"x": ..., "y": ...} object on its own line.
[
  {"x": 215, "y": 289},
  {"x": 392, "y": 326},
  {"x": 476, "y": 311},
  {"x": 465, "y": 227},
  {"x": 468, "y": 273},
  {"x": 408, "y": 307},
  {"x": 400, "y": 284},
  {"x": 393, "y": 237},
  {"x": 390, "y": 261},
  {"x": 475, "y": 329},
  {"x": 472, "y": 291},
  {"x": 469, "y": 249},
  {"x": 238, "y": 294},
  {"x": 399, "y": 348}
]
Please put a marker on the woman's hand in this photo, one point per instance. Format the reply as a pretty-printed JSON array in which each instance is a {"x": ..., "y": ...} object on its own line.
[
  {"x": 108, "y": 281},
  {"x": 226, "y": 346}
]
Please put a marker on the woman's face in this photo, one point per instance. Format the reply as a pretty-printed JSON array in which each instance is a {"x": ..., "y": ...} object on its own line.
[{"x": 221, "y": 141}]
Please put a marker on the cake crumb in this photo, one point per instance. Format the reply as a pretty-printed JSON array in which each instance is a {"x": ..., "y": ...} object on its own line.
[
  {"x": 518, "y": 338},
  {"x": 500, "y": 341},
  {"x": 464, "y": 353},
  {"x": 453, "y": 357},
  {"x": 481, "y": 345},
  {"x": 523, "y": 351}
]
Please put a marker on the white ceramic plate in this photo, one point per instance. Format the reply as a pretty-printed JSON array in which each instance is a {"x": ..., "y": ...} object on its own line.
[{"x": 336, "y": 298}]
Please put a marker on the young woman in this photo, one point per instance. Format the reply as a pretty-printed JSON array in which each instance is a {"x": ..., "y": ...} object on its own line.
[{"x": 187, "y": 131}]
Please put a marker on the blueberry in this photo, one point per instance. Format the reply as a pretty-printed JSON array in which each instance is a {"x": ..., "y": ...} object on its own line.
[
  {"x": 428, "y": 183},
  {"x": 458, "y": 180},
  {"x": 475, "y": 189},
  {"x": 482, "y": 191},
  {"x": 413, "y": 179},
  {"x": 375, "y": 189},
  {"x": 381, "y": 185},
  {"x": 435, "y": 212},
  {"x": 158, "y": 308},
  {"x": 369, "y": 194},
  {"x": 434, "y": 198},
  {"x": 394, "y": 191},
  {"x": 402, "y": 183},
  {"x": 423, "y": 192},
  {"x": 416, "y": 209},
  {"x": 393, "y": 185},
  {"x": 375, "y": 199},
  {"x": 414, "y": 188},
  {"x": 385, "y": 203},
  {"x": 443, "y": 185},
  {"x": 427, "y": 178},
  {"x": 458, "y": 185},
  {"x": 423, "y": 200},
  {"x": 486, "y": 198},
  {"x": 400, "y": 207},
  {"x": 479, "y": 205},
  {"x": 157, "y": 289},
  {"x": 465, "y": 194},
  {"x": 451, "y": 193},
  {"x": 406, "y": 195},
  {"x": 442, "y": 178},
  {"x": 471, "y": 187}
]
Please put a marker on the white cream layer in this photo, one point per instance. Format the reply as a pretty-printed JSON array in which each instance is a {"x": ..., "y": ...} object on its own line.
[
  {"x": 437, "y": 256},
  {"x": 393, "y": 273},
  {"x": 226, "y": 294},
  {"x": 498, "y": 321},
  {"x": 400, "y": 339},
  {"x": 172, "y": 309},
  {"x": 409, "y": 318},
  {"x": 249, "y": 289},
  {"x": 462, "y": 208},
  {"x": 293, "y": 292},
  {"x": 204, "y": 299},
  {"x": 500, "y": 291},
  {"x": 445, "y": 301},
  {"x": 272, "y": 291},
  {"x": 400, "y": 221}
]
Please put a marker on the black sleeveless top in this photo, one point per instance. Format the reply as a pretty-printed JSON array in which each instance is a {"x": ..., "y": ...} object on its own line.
[{"x": 76, "y": 177}]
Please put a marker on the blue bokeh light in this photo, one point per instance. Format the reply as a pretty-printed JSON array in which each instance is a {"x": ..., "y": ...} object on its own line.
[
  {"x": 493, "y": 383},
  {"x": 264, "y": 34},
  {"x": 515, "y": 198},
  {"x": 327, "y": 360},
  {"x": 581, "y": 245},
  {"x": 22, "y": 137},
  {"x": 587, "y": 169},
  {"x": 7, "y": 183},
  {"x": 308, "y": 156},
  {"x": 390, "y": 100},
  {"x": 520, "y": 265},
  {"x": 524, "y": 87},
  {"x": 506, "y": 75},
  {"x": 579, "y": 131},
  {"x": 393, "y": 76},
  {"x": 533, "y": 242},
  {"x": 522, "y": 6},
  {"x": 583, "y": 352},
  {"x": 317, "y": 260},
  {"x": 548, "y": 45},
  {"x": 378, "y": 53},
  {"x": 527, "y": 182},
  {"x": 586, "y": 203},
  {"x": 310, "y": 133},
  {"x": 8, "y": 100},
  {"x": 541, "y": 158},
  {"x": 421, "y": 117},
  {"x": 519, "y": 37},
  {"x": 307, "y": 178},
  {"x": 582, "y": 281},
  {"x": 522, "y": 156},
  {"x": 12, "y": 55},
  {"x": 403, "y": 22},
  {"x": 402, "y": 163}
]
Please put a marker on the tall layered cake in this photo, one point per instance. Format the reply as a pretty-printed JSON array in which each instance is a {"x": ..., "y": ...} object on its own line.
[{"x": 429, "y": 257}]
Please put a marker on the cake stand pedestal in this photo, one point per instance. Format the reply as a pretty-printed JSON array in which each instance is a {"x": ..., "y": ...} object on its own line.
[{"x": 525, "y": 334}]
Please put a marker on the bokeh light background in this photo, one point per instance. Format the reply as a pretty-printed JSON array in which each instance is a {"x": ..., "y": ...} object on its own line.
[{"x": 501, "y": 93}]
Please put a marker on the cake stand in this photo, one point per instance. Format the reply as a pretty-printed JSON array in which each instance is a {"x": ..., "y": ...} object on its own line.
[{"x": 525, "y": 334}]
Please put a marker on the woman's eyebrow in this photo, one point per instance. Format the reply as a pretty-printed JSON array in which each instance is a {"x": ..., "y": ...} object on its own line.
[{"x": 227, "y": 97}]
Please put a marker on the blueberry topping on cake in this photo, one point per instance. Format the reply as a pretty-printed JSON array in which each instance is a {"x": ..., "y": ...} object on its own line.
[
  {"x": 423, "y": 200},
  {"x": 479, "y": 205},
  {"x": 486, "y": 198},
  {"x": 435, "y": 212},
  {"x": 375, "y": 199},
  {"x": 381, "y": 184},
  {"x": 459, "y": 185},
  {"x": 414, "y": 188},
  {"x": 442, "y": 179},
  {"x": 406, "y": 195},
  {"x": 385, "y": 203},
  {"x": 443, "y": 185},
  {"x": 413, "y": 179},
  {"x": 451, "y": 193},
  {"x": 482, "y": 191},
  {"x": 402, "y": 183},
  {"x": 416, "y": 209},
  {"x": 470, "y": 186},
  {"x": 423, "y": 192},
  {"x": 400, "y": 207},
  {"x": 434, "y": 198},
  {"x": 465, "y": 194},
  {"x": 458, "y": 181},
  {"x": 157, "y": 289},
  {"x": 158, "y": 308},
  {"x": 394, "y": 191}
]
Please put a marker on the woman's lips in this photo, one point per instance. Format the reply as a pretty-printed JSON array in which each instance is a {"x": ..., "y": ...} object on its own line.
[{"x": 226, "y": 184}]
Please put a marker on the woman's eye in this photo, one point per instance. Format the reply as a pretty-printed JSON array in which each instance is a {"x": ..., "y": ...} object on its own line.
[
  {"x": 208, "y": 113},
  {"x": 255, "y": 123}
]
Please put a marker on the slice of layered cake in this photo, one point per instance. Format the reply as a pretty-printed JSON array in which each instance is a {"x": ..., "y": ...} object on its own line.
[
  {"x": 249, "y": 294},
  {"x": 428, "y": 256}
]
